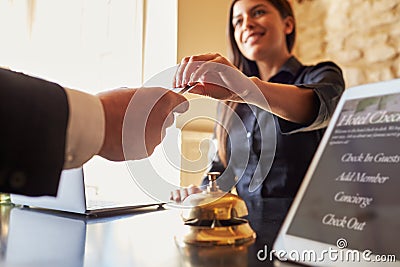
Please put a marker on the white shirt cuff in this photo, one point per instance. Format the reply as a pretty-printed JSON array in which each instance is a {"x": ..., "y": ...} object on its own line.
[{"x": 85, "y": 130}]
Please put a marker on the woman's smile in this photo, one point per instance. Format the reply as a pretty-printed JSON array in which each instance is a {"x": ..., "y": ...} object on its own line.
[{"x": 253, "y": 37}]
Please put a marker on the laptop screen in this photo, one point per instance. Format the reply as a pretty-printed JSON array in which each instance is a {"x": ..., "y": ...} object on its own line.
[{"x": 349, "y": 198}]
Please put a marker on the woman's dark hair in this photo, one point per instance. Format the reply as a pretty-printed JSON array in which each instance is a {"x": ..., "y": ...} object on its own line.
[{"x": 248, "y": 67}]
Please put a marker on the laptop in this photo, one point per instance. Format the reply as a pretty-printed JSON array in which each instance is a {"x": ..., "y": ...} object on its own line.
[
  {"x": 347, "y": 210},
  {"x": 99, "y": 187}
]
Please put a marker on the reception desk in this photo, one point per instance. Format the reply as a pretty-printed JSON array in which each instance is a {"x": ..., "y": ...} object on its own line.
[{"x": 141, "y": 238}]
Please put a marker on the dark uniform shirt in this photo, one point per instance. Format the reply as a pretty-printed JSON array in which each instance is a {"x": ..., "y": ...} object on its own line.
[{"x": 271, "y": 158}]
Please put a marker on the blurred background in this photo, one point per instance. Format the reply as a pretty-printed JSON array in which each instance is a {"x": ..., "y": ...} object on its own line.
[{"x": 94, "y": 45}]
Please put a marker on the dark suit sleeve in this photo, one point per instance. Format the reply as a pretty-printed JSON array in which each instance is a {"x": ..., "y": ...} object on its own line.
[{"x": 33, "y": 119}]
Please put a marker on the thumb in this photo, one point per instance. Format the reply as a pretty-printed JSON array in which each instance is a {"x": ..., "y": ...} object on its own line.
[
  {"x": 180, "y": 103},
  {"x": 198, "y": 89}
]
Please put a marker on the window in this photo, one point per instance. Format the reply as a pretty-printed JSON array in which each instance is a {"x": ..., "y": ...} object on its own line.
[{"x": 90, "y": 45}]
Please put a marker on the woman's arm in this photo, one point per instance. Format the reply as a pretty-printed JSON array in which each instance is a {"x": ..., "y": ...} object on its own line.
[{"x": 299, "y": 105}]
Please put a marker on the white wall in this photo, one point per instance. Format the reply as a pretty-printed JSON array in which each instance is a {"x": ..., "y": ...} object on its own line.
[{"x": 160, "y": 38}]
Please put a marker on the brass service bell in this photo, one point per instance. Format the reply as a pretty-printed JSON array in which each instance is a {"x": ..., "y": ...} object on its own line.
[{"x": 215, "y": 218}]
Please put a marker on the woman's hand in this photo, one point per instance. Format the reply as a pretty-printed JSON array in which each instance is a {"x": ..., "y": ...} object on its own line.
[
  {"x": 180, "y": 195},
  {"x": 215, "y": 76}
]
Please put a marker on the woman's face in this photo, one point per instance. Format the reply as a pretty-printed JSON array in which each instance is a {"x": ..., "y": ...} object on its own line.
[{"x": 259, "y": 30}]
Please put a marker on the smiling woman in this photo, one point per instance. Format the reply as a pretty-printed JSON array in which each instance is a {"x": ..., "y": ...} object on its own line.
[
  {"x": 256, "y": 32},
  {"x": 287, "y": 122}
]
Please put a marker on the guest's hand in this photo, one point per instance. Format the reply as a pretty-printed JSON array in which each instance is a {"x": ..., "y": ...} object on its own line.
[{"x": 136, "y": 120}]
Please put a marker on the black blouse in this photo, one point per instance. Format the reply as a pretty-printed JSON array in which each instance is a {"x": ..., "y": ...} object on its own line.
[{"x": 271, "y": 158}]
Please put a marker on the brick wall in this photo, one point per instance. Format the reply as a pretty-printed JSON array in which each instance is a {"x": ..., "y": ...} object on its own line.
[{"x": 362, "y": 36}]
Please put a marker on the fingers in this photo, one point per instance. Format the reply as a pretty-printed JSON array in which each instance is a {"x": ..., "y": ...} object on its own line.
[
  {"x": 189, "y": 65},
  {"x": 198, "y": 89},
  {"x": 222, "y": 82},
  {"x": 185, "y": 69},
  {"x": 179, "y": 102},
  {"x": 181, "y": 194},
  {"x": 179, "y": 73},
  {"x": 184, "y": 193},
  {"x": 183, "y": 74},
  {"x": 190, "y": 68},
  {"x": 212, "y": 90},
  {"x": 176, "y": 196},
  {"x": 169, "y": 104},
  {"x": 212, "y": 75},
  {"x": 161, "y": 114},
  {"x": 192, "y": 189}
]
